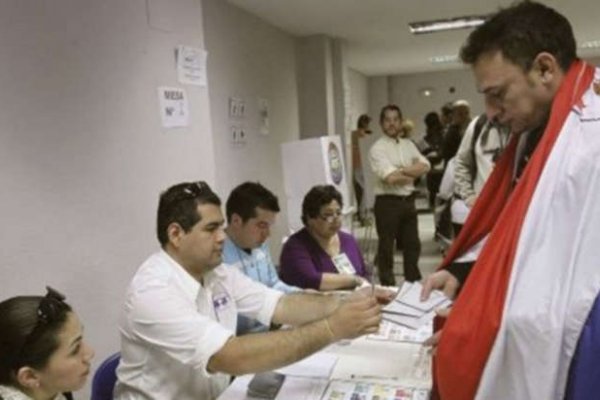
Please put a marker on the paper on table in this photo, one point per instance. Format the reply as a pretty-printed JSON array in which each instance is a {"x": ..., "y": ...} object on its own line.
[
  {"x": 350, "y": 390},
  {"x": 415, "y": 322},
  {"x": 319, "y": 365},
  {"x": 408, "y": 321},
  {"x": 391, "y": 332},
  {"x": 300, "y": 388},
  {"x": 412, "y": 298},
  {"x": 296, "y": 388},
  {"x": 395, "y": 307}
]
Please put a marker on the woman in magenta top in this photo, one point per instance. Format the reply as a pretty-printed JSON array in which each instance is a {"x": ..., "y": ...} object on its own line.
[{"x": 320, "y": 256}]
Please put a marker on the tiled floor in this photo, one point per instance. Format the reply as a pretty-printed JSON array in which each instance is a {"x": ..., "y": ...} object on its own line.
[{"x": 431, "y": 255}]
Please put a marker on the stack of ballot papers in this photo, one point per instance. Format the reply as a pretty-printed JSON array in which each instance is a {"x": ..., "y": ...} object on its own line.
[
  {"x": 391, "y": 332},
  {"x": 409, "y": 311}
]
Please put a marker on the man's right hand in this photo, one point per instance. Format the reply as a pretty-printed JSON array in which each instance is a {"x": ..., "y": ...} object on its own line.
[
  {"x": 434, "y": 340},
  {"x": 356, "y": 316},
  {"x": 440, "y": 280},
  {"x": 470, "y": 202}
]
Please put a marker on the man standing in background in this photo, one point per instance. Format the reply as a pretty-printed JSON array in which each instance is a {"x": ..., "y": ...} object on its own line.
[
  {"x": 461, "y": 116},
  {"x": 358, "y": 178},
  {"x": 396, "y": 163}
]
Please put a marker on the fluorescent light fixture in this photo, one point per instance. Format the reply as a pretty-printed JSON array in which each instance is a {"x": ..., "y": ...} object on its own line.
[
  {"x": 590, "y": 44},
  {"x": 446, "y": 59},
  {"x": 446, "y": 24}
]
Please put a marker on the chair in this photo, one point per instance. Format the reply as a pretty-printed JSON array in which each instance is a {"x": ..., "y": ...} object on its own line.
[{"x": 105, "y": 378}]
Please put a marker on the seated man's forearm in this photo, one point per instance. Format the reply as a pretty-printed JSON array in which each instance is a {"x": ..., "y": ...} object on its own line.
[
  {"x": 331, "y": 281},
  {"x": 301, "y": 308},
  {"x": 267, "y": 351},
  {"x": 358, "y": 315}
]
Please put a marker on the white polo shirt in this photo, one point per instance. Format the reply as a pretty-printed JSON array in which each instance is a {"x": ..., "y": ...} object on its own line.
[
  {"x": 387, "y": 155},
  {"x": 171, "y": 326}
]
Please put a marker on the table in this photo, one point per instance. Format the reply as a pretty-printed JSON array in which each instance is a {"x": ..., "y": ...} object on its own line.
[{"x": 363, "y": 360}]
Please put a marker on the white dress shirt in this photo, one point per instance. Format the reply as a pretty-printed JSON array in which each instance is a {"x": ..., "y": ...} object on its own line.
[
  {"x": 171, "y": 326},
  {"x": 11, "y": 393},
  {"x": 387, "y": 155}
]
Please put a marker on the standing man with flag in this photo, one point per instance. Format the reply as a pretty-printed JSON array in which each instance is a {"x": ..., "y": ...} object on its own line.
[{"x": 525, "y": 323}]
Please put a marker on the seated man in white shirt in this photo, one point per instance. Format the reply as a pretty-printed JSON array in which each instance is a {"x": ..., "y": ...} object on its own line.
[{"x": 179, "y": 320}]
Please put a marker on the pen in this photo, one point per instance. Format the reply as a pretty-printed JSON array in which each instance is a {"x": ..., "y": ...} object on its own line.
[{"x": 354, "y": 376}]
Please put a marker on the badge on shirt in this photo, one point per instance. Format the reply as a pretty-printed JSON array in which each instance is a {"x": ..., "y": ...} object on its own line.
[
  {"x": 343, "y": 264},
  {"x": 220, "y": 301}
]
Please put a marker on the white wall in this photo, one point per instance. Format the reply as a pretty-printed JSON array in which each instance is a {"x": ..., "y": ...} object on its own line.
[
  {"x": 379, "y": 96},
  {"x": 315, "y": 86},
  {"x": 358, "y": 103},
  {"x": 250, "y": 59},
  {"x": 359, "y": 94},
  {"x": 83, "y": 156},
  {"x": 406, "y": 91}
]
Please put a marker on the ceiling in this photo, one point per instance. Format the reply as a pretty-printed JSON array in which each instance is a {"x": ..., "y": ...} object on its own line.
[{"x": 375, "y": 32}]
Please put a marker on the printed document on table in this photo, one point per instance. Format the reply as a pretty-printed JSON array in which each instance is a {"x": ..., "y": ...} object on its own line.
[
  {"x": 392, "y": 332},
  {"x": 296, "y": 388},
  {"x": 351, "y": 390}
]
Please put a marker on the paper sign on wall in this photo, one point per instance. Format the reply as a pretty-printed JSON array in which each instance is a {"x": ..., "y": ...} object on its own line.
[
  {"x": 263, "y": 115},
  {"x": 191, "y": 65},
  {"x": 174, "y": 110}
]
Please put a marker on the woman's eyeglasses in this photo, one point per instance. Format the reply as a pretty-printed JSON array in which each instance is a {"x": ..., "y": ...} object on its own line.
[{"x": 330, "y": 217}]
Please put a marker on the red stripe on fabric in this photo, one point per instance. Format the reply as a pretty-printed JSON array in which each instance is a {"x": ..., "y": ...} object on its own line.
[{"x": 471, "y": 329}]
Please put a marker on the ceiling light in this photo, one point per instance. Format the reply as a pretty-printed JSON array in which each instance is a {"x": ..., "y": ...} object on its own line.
[
  {"x": 590, "y": 44},
  {"x": 446, "y": 24},
  {"x": 427, "y": 92},
  {"x": 446, "y": 59}
]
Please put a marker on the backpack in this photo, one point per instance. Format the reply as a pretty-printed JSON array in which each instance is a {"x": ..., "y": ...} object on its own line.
[{"x": 481, "y": 121}]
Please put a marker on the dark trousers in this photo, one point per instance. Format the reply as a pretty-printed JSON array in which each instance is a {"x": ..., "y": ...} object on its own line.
[
  {"x": 434, "y": 179},
  {"x": 397, "y": 215},
  {"x": 456, "y": 228},
  {"x": 358, "y": 192}
]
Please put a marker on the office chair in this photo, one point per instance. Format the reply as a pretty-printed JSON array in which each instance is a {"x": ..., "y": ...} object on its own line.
[{"x": 105, "y": 378}]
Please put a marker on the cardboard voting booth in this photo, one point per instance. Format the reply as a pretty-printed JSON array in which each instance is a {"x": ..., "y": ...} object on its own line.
[{"x": 310, "y": 162}]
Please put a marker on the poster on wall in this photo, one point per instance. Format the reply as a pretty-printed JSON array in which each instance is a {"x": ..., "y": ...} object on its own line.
[
  {"x": 263, "y": 113},
  {"x": 334, "y": 160},
  {"x": 191, "y": 65},
  {"x": 174, "y": 110}
]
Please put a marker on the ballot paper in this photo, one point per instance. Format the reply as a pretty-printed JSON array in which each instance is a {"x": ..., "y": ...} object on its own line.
[
  {"x": 408, "y": 321},
  {"x": 391, "y": 332},
  {"x": 409, "y": 311},
  {"x": 395, "y": 307},
  {"x": 412, "y": 298}
]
